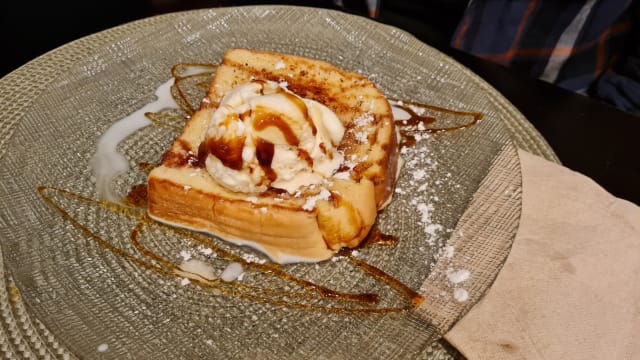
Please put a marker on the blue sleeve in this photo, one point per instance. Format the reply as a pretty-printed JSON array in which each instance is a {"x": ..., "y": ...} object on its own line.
[{"x": 621, "y": 85}]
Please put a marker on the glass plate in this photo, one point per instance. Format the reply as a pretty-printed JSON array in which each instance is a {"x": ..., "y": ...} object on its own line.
[{"x": 87, "y": 295}]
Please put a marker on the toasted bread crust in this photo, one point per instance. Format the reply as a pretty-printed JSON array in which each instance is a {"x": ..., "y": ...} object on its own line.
[{"x": 283, "y": 225}]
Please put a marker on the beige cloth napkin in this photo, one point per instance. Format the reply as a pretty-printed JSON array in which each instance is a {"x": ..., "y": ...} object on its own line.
[{"x": 570, "y": 288}]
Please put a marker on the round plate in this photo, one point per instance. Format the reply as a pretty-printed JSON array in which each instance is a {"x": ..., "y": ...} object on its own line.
[{"x": 65, "y": 281}]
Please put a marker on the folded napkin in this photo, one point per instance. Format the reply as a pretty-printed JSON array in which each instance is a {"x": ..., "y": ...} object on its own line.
[{"x": 570, "y": 286}]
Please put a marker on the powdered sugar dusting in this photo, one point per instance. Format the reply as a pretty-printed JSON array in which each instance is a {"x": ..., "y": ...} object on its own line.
[
  {"x": 421, "y": 172},
  {"x": 431, "y": 230},
  {"x": 362, "y": 137},
  {"x": 205, "y": 251},
  {"x": 363, "y": 120},
  {"x": 427, "y": 174},
  {"x": 361, "y": 128},
  {"x": 310, "y": 204},
  {"x": 449, "y": 251},
  {"x": 461, "y": 295},
  {"x": 250, "y": 258},
  {"x": 458, "y": 276},
  {"x": 425, "y": 211},
  {"x": 186, "y": 255},
  {"x": 343, "y": 175}
]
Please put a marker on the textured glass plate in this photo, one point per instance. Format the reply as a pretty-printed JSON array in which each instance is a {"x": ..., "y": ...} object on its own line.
[{"x": 86, "y": 295}]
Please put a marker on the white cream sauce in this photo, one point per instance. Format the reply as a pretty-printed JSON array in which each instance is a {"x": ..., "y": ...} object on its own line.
[
  {"x": 107, "y": 162},
  {"x": 232, "y": 272},
  {"x": 199, "y": 268}
]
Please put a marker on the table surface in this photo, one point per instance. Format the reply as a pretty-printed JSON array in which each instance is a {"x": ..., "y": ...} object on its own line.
[{"x": 588, "y": 136}]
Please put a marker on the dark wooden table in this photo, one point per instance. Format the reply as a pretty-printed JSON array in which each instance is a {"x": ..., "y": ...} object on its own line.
[{"x": 588, "y": 136}]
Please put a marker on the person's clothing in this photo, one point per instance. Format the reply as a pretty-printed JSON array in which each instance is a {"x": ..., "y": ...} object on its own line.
[{"x": 587, "y": 46}]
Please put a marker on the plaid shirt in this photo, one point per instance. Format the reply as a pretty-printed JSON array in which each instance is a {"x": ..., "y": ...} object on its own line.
[{"x": 578, "y": 45}]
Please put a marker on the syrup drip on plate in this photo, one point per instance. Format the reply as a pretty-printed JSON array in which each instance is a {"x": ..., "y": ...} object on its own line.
[
  {"x": 108, "y": 163},
  {"x": 186, "y": 73},
  {"x": 414, "y": 118},
  {"x": 378, "y": 238},
  {"x": 305, "y": 299}
]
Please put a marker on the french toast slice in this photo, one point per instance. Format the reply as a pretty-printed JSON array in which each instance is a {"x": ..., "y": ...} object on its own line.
[{"x": 315, "y": 221}]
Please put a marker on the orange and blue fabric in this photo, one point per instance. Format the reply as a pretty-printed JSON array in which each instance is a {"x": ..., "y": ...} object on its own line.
[{"x": 588, "y": 46}]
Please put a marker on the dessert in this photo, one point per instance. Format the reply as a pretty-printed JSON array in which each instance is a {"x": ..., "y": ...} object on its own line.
[{"x": 289, "y": 155}]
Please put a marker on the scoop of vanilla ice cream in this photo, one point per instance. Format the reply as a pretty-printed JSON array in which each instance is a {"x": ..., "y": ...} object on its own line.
[{"x": 262, "y": 135}]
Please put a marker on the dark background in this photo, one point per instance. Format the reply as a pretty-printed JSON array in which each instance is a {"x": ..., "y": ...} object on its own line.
[{"x": 30, "y": 29}]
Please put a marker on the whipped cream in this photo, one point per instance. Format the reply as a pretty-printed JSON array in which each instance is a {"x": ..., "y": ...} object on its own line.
[{"x": 262, "y": 135}]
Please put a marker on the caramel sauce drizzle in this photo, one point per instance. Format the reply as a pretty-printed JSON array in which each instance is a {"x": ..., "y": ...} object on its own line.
[
  {"x": 181, "y": 73},
  {"x": 302, "y": 107},
  {"x": 265, "y": 119},
  {"x": 377, "y": 237},
  {"x": 228, "y": 151},
  {"x": 407, "y": 127},
  {"x": 264, "y": 152},
  {"x": 166, "y": 120},
  {"x": 345, "y": 302},
  {"x": 380, "y": 275},
  {"x": 135, "y": 203}
]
